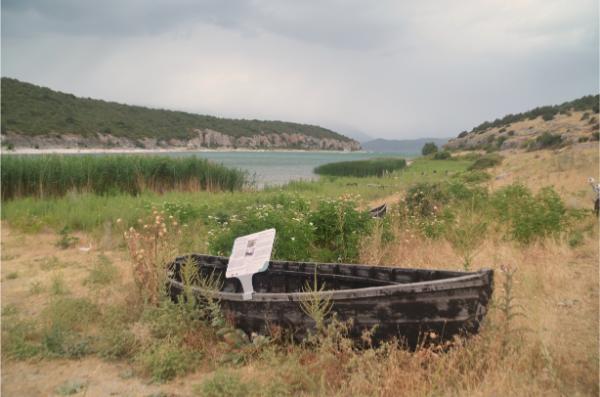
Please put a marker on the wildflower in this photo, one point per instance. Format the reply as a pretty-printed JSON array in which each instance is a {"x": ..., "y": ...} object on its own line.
[
  {"x": 293, "y": 238},
  {"x": 119, "y": 220}
]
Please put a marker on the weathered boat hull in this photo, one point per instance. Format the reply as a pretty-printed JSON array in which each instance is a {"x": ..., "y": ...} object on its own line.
[{"x": 394, "y": 302}]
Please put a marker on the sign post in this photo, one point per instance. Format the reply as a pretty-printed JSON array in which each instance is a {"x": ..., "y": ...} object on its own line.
[{"x": 250, "y": 255}]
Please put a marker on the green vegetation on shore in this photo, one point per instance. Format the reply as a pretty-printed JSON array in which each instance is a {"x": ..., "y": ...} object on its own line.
[
  {"x": 32, "y": 110},
  {"x": 90, "y": 212},
  {"x": 55, "y": 175},
  {"x": 361, "y": 168}
]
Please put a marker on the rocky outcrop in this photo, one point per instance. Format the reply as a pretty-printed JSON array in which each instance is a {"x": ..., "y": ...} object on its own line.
[{"x": 201, "y": 139}]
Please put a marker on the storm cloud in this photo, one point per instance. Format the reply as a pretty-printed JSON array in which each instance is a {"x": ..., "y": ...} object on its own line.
[{"x": 387, "y": 68}]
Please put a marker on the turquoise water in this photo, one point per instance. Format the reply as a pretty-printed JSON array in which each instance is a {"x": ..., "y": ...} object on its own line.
[{"x": 275, "y": 168}]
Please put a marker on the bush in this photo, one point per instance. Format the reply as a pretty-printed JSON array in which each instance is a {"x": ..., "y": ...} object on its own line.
[
  {"x": 292, "y": 241},
  {"x": 529, "y": 217},
  {"x": 487, "y": 161},
  {"x": 166, "y": 359},
  {"x": 476, "y": 176},
  {"x": 548, "y": 140},
  {"x": 330, "y": 233},
  {"x": 423, "y": 199},
  {"x": 443, "y": 155},
  {"x": 338, "y": 229},
  {"x": 429, "y": 148},
  {"x": 65, "y": 322},
  {"x": 18, "y": 339}
]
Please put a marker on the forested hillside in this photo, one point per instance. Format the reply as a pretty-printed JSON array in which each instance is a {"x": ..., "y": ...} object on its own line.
[{"x": 32, "y": 111}]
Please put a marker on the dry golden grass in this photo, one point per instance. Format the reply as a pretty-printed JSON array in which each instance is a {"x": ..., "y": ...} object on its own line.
[{"x": 567, "y": 169}]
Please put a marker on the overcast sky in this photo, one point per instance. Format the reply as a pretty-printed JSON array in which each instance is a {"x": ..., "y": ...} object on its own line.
[{"x": 390, "y": 69}]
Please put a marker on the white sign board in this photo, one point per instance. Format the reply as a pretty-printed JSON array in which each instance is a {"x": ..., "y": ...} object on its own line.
[{"x": 250, "y": 254}]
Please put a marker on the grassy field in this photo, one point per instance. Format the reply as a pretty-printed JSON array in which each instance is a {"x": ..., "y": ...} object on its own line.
[
  {"x": 74, "y": 322},
  {"x": 56, "y": 175}
]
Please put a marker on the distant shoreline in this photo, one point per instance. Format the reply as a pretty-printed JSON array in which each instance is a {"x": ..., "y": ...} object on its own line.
[{"x": 158, "y": 151}]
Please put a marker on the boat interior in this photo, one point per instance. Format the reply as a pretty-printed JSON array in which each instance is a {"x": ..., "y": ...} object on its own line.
[{"x": 287, "y": 277}]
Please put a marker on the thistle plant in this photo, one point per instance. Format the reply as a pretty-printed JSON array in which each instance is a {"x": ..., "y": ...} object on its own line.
[
  {"x": 317, "y": 303},
  {"x": 151, "y": 246}
]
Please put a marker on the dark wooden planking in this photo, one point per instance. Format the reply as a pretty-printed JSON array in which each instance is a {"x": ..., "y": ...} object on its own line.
[{"x": 400, "y": 302}]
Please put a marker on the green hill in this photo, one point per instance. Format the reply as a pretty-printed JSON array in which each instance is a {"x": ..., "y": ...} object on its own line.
[
  {"x": 30, "y": 110},
  {"x": 546, "y": 126}
]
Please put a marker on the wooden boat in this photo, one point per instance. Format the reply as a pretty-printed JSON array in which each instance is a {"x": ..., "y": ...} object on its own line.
[
  {"x": 402, "y": 303},
  {"x": 378, "y": 212}
]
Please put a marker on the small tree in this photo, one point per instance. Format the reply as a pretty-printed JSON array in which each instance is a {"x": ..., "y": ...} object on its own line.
[{"x": 429, "y": 148}]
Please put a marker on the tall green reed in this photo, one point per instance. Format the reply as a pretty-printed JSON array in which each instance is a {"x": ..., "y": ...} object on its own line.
[{"x": 55, "y": 175}]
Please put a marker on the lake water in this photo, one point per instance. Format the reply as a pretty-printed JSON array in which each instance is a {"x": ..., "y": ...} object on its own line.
[{"x": 275, "y": 168}]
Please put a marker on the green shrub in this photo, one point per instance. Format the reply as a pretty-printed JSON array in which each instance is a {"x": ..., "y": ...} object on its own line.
[
  {"x": 576, "y": 239},
  {"x": 487, "y": 161},
  {"x": 361, "y": 168},
  {"x": 116, "y": 343},
  {"x": 65, "y": 321},
  {"x": 423, "y": 199},
  {"x": 548, "y": 140},
  {"x": 331, "y": 232},
  {"x": 166, "y": 359},
  {"x": 292, "y": 241},
  {"x": 429, "y": 148},
  {"x": 19, "y": 339},
  {"x": 475, "y": 176},
  {"x": 66, "y": 240},
  {"x": 443, "y": 155},
  {"x": 529, "y": 217},
  {"x": 338, "y": 228}
]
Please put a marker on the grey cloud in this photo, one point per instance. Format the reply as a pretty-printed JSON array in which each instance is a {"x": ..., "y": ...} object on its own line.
[{"x": 390, "y": 69}]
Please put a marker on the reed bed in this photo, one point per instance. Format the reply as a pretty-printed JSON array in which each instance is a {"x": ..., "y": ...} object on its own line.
[
  {"x": 55, "y": 175},
  {"x": 361, "y": 168}
]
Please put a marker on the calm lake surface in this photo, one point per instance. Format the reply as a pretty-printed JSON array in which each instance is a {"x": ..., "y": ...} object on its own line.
[{"x": 275, "y": 168}]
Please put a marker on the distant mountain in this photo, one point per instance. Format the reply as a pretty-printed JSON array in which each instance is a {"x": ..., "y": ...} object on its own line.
[
  {"x": 356, "y": 135},
  {"x": 34, "y": 116},
  {"x": 543, "y": 127},
  {"x": 406, "y": 146}
]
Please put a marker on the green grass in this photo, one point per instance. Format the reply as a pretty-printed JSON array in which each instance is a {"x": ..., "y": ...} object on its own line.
[
  {"x": 361, "y": 168},
  {"x": 97, "y": 213},
  {"x": 56, "y": 175}
]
